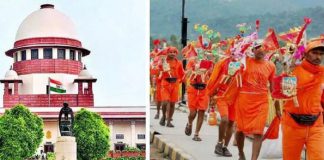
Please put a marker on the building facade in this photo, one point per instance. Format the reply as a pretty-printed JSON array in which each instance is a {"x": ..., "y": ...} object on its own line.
[{"x": 47, "y": 47}]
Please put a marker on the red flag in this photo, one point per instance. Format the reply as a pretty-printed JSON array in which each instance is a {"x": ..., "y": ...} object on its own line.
[
  {"x": 156, "y": 42},
  {"x": 271, "y": 41},
  {"x": 282, "y": 50},
  {"x": 300, "y": 35},
  {"x": 189, "y": 51},
  {"x": 289, "y": 37},
  {"x": 273, "y": 130},
  {"x": 257, "y": 25},
  {"x": 206, "y": 64},
  {"x": 296, "y": 36}
]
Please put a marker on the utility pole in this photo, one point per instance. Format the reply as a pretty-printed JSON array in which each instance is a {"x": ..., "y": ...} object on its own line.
[{"x": 184, "y": 22}]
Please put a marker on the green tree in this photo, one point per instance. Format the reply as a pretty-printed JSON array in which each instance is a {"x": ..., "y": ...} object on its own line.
[
  {"x": 21, "y": 133},
  {"x": 92, "y": 135},
  {"x": 175, "y": 42},
  {"x": 151, "y": 43},
  {"x": 51, "y": 156}
]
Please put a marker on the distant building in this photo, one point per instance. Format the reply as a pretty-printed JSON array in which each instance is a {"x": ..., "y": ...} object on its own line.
[{"x": 47, "y": 47}]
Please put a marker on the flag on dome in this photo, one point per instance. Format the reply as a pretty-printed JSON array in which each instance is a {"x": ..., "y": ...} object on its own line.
[{"x": 56, "y": 86}]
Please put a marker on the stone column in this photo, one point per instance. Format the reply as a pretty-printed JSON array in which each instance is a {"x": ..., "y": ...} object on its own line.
[
  {"x": 80, "y": 87},
  {"x": 90, "y": 87},
  {"x": 112, "y": 137},
  {"x": 6, "y": 88},
  {"x": 133, "y": 134},
  {"x": 16, "y": 88},
  {"x": 66, "y": 148}
]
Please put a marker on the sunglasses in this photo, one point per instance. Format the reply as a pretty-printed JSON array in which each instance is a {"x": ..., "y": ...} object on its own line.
[{"x": 257, "y": 47}]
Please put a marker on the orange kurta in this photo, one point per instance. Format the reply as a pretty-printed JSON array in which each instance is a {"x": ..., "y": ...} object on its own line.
[
  {"x": 252, "y": 102},
  {"x": 224, "y": 104},
  {"x": 170, "y": 91},
  {"x": 309, "y": 94},
  {"x": 197, "y": 99}
]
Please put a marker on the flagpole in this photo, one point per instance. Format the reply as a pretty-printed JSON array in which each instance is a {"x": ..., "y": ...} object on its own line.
[
  {"x": 49, "y": 93},
  {"x": 305, "y": 39}
]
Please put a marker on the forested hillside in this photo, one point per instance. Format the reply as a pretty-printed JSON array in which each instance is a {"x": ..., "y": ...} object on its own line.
[{"x": 223, "y": 15}]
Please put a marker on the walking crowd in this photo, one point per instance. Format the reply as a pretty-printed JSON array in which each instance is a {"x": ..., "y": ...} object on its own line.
[{"x": 238, "y": 76}]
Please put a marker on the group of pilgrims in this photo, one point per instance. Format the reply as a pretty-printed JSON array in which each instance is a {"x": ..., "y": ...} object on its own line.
[{"x": 238, "y": 76}]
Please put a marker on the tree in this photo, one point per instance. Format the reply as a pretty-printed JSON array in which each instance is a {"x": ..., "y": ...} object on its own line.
[
  {"x": 151, "y": 43},
  {"x": 175, "y": 42},
  {"x": 21, "y": 133},
  {"x": 51, "y": 156},
  {"x": 92, "y": 135}
]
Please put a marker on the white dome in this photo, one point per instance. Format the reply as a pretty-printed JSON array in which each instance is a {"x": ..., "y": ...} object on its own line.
[
  {"x": 11, "y": 74},
  {"x": 84, "y": 74},
  {"x": 46, "y": 22}
]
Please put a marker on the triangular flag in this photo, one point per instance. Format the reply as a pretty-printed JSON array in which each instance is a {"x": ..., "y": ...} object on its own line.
[{"x": 270, "y": 42}]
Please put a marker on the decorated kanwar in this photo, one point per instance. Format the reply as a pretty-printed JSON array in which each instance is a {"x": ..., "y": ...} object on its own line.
[
  {"x": 223, "y": 85},
  {"x": 301, "y": 89},
  {"x": 198, "y": 72},
  {"x": 302, "y": 122}
]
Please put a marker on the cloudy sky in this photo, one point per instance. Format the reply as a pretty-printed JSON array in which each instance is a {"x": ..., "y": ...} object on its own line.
[{"x": 115, "y": 31}]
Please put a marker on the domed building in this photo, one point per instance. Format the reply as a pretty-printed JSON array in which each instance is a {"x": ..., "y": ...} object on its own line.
[{"x": 48, "y": 70}]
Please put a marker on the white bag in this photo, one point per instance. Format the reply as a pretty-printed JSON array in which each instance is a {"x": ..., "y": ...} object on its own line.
[{"x": 272, "y": 148}]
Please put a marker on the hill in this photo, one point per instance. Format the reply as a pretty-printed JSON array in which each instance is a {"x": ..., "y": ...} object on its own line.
[{"x": 223, "y": 15}]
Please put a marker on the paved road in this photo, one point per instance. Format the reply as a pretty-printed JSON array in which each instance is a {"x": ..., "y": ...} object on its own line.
[{"x": 198, "y": 150}]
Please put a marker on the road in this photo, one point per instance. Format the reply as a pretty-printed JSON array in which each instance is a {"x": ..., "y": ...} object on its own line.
[{"x": 198, "y": 150}]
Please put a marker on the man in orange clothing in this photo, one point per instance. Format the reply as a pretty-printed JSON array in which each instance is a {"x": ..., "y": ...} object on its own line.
[
  {"x": 171, "y": 74},
  {"x": 252, "y": 102},
  {"x": 156, "y": 84},
  {"x": 154, "y": 81},
  {"x": 303, "y": 125},
  {"x": 225, "y": 104},
  {"x": 198, "y": 99}
]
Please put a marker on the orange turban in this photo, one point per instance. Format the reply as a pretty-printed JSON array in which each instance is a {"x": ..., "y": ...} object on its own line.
[
  {"x": 172, "y": 49},
  {"x": 315, "y": 43}
]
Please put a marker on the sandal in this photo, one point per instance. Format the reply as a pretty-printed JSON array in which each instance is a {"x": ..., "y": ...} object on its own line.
[
  {"x": 170, "y": 125},
  {"x": 157, "y": 116},
  {"x": 188, "y": 129},
  {"x": 242, "y": 156},
  {"x": 162, "y": 121},
  {"x": 196, "y": 138}
]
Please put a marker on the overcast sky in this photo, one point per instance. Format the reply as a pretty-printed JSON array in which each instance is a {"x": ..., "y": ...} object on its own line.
[{"x": 115, "y": 31}]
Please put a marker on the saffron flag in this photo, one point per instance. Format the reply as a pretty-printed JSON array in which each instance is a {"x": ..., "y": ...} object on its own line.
[
  {"x": 290, "y": 36},
  {"x": 273, "y": 130},
  {"x": 307, "y": 21},
  {"x": 270, "y": 42},
  {"x": 189, "y": 51},
  {"x": 295, "y": 35},
  {"x": 56, "y": 86}
]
